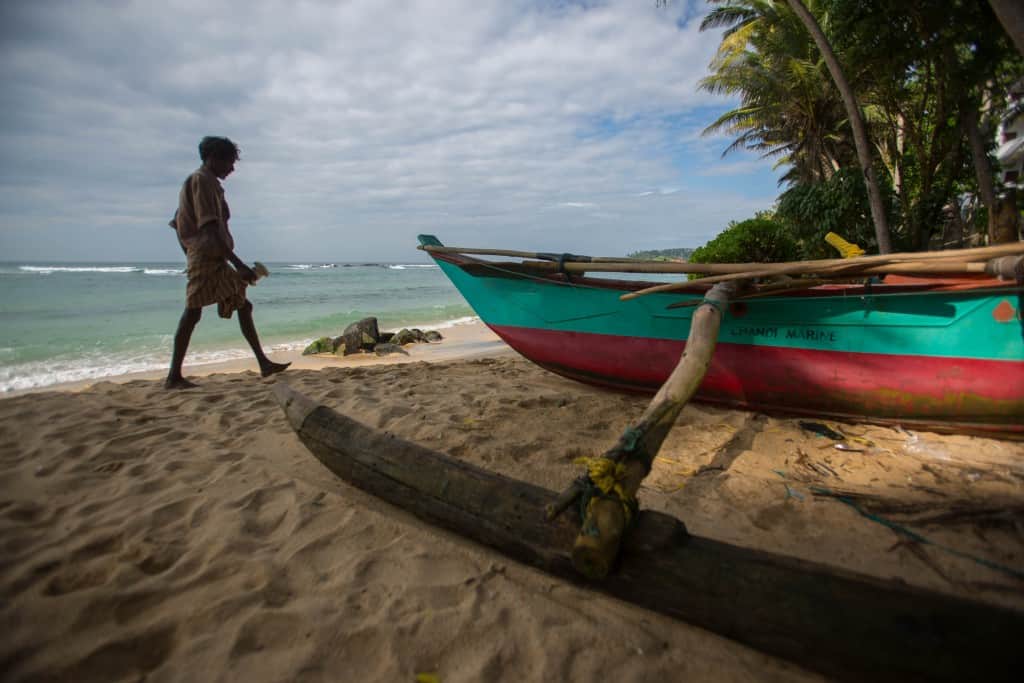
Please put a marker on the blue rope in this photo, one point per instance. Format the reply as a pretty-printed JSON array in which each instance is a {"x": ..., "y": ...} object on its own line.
[
  {"x": 716, "y": 304},
  {"x": 914, "y": 536}
]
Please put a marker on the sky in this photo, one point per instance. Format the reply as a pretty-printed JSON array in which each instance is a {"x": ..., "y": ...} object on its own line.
[{"x": 544, "y": 125}]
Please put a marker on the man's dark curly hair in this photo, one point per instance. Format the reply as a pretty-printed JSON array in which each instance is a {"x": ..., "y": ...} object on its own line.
[{"x": 218, "y": 148}]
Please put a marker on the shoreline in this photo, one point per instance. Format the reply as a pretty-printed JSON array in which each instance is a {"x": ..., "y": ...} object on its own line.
[{"x": 461, "y": 340}]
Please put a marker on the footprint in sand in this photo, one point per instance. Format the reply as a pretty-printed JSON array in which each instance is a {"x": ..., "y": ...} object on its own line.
[
  {"x": 270, "y": 631},
  {"x": 162, "y": 558},
  {"x": 265, "y": 509},
  {"x": 105, "y": 545},
  {"x": 77, "y": 577},
  {"x": 127, "y": 659},
  {"x": 26, "y": 512}
]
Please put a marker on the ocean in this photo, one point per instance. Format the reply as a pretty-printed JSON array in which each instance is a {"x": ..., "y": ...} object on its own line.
[{"x": 68, "y": 322}]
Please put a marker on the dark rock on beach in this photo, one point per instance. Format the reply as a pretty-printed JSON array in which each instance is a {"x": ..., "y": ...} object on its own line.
[
  {"x": 360, "y": 336},
  {"x": 403, "y": 336},
  {"x": 385, "y": 349},
  {"x": 364, "y": 336},
  {"x": 406, "y": 336},
  {"x": 321, "y": 345}
]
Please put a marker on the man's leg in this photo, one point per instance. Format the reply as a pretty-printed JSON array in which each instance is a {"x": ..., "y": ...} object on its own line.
[
  {"x": 189, "y": 320},
  {"x": 267, "y": 366}
]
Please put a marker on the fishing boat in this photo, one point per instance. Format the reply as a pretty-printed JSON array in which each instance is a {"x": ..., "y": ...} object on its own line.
[{"x": 905, "y": 346}]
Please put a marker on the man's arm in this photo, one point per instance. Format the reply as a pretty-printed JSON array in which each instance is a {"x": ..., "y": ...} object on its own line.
[{"x": 245, "y": 271}]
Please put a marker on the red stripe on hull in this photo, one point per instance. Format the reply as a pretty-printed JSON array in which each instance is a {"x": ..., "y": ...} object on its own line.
[{"x": 939, "y": 393}]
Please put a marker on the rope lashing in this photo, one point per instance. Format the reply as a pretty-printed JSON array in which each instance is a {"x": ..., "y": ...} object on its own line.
[
  {"x": 604, "y": 479},
  {"x": 717, "y": 305},
  {"x": 718, "y": 297}
]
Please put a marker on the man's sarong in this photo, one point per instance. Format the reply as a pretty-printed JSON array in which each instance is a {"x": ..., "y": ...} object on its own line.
[{"x": 213, "y": 281}]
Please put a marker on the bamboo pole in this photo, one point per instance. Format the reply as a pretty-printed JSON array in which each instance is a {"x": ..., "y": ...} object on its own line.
[
  {"x": 840, "y": 270},
  {"x": 547, "y": 256},
  {"x": 717, "y": 269},
  {"x": 606, "y": 518},
  {"x": 581, "y": 264}
]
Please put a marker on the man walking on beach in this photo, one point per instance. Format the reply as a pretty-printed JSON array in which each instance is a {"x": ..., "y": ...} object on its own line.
[{"x": 201, "y": 222}]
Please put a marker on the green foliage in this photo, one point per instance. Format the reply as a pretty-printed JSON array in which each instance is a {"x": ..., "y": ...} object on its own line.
[
  {"x": 757, "y": 240},
  {"x": 920, "y": 71},
  {"x": 663, "y": 254},
  {"x": 789, "y": 107},
  {"x": 840, "y": 205}
]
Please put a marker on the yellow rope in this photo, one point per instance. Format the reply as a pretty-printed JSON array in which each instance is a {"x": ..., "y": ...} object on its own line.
[{"x": 607, "y": 476}]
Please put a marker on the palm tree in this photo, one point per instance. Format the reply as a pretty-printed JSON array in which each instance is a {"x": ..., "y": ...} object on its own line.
[
  {"x": 789, "y": 107},
  {"x": 930, "y": 80},
  {"x": 860, "y": 136},
  {"x": 916, "y": 92}
]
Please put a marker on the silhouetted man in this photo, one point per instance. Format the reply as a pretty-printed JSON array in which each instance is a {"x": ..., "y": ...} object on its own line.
[{"x": 201, "y": 222}]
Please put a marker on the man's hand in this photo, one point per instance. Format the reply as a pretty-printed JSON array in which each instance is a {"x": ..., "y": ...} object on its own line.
[{"x": 247, "y": 273}]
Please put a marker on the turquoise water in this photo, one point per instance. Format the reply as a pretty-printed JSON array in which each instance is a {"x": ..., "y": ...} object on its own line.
[{"x": 78, "y": 321}]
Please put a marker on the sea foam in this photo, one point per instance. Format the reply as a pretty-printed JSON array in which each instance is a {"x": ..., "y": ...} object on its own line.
[{"x": 47, "y": 270}]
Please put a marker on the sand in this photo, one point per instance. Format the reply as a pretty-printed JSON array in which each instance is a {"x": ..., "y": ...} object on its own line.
[{"x": 190, "y": 536}]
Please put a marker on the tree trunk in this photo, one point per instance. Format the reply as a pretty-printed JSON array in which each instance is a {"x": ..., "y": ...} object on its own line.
[
  {"x": 982, "y": 167},
  {"x": 1011, "y": 15},
  {"x": 860, "y": 137},
  {"x": 1005, "y": 222}
]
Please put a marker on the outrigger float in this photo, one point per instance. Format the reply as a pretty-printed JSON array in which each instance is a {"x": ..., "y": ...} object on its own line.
[
  {"x": 871, "y": 341},
  {"x": 845, "y": 625}
]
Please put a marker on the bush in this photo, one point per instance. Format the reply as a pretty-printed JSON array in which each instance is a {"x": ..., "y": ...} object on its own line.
[
  {"x": 839, "y": 205},
  {"x": 756, "y": 240}
]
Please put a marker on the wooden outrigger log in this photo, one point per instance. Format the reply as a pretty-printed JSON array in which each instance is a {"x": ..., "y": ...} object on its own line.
[{"x": 845, "y": 625}]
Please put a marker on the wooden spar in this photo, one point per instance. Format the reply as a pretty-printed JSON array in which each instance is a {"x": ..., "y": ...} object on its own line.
[
  {"x": 569, "y": 258},
  {"x": 770, "y": 289},
  {"x": 845, "y": 625},
  {"x": 847, "y": 270},
  {"x": 723, "y": 269},
  {"x": 606, "y": 518},
  {"x": 577, "y": 264}
]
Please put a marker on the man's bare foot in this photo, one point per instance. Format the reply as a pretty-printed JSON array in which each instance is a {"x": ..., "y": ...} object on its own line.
[
  {"x": 179, "y": 383},
  {"x": 272, "y": 368}
]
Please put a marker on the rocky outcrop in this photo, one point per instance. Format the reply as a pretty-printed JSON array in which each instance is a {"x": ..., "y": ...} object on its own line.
[
  {"x": 321, "y": 345},
  {"x": 385, "y": 349},
  {"x": 364, "y": 336},
  {"x": 404, "y": 336}
]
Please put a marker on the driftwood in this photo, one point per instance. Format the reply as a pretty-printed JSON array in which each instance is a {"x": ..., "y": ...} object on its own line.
[{"x": 845, "y": 625}]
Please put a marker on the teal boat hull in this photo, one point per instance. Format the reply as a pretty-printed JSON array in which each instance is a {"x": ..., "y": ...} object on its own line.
[{"x": 942, "y": 354}]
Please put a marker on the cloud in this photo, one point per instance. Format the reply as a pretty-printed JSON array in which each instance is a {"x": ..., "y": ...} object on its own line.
[
  {"x": 732, "y": 169},
  {"x": 362, "y": 124}
]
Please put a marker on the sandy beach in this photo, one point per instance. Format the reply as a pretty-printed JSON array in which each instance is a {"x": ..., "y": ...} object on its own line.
[{"x": 173, "y": 536}]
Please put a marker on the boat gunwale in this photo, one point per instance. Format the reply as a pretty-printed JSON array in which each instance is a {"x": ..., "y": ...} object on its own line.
[{"x": 896, "y": 284}]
